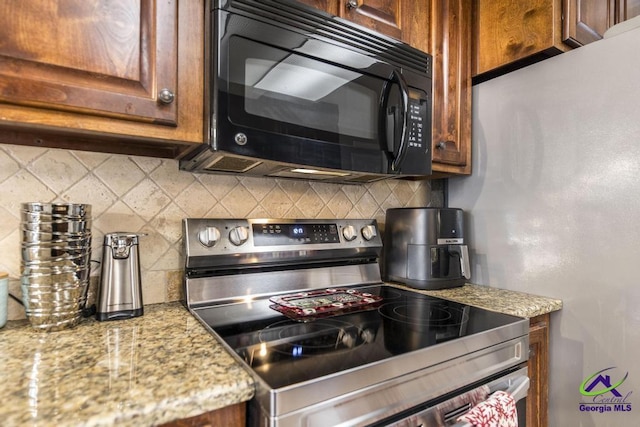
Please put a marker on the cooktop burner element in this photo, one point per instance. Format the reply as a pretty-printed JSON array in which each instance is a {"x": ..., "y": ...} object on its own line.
[
  {"x": 327, "y": 342},
  {"x": 406, "y": 313},
  {"x": 307, "y": 339}
]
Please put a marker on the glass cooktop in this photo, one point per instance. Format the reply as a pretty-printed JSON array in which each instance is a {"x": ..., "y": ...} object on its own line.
[{"x": 284, "y": 351}]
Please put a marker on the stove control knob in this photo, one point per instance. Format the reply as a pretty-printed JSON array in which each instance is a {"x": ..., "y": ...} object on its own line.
[
  {"x": 238, "y": 235},
  {"x": 349, "y": 233},
  {"x": 369, "y": 232},
  {"x": 209, "y": 236}
]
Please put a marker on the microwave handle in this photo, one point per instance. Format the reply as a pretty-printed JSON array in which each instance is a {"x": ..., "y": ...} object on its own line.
[{"x": 402, "y": 145}]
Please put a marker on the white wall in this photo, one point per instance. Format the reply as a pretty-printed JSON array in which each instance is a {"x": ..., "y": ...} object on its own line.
[{"x": 554, "y": 209}]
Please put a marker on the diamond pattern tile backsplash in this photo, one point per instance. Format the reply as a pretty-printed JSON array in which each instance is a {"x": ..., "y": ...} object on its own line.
[{"x": 151, "y": 196}]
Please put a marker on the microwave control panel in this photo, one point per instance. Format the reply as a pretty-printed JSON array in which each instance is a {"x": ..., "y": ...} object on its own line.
[{"x": 417, "y": 121}]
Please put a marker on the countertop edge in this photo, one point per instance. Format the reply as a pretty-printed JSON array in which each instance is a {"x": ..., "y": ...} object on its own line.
[
  {"x": 153, "y": 369},
  {"x": 514, "y": 303}
]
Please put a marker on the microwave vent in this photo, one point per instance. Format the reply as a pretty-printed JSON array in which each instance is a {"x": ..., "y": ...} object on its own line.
[
  {"x": 366, "y": 178},
  {"x": 232, "y": 164},
  {"x": 287, "y": 173}
]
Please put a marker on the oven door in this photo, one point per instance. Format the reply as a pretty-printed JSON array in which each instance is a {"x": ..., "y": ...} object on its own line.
[
  {"x": 298, "y": 99},
  {"x": 446, "y": 413}
]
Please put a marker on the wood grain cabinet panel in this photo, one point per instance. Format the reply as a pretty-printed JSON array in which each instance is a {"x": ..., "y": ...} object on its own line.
[
  {"x": 230, "y": 416},
  {"x": 101, "y": 57},
  {"x": 384, "y": 16},
  {"x": 91, "y": 75},
  {"x": 330, "y": 6},
  {"x": 507, "y": 32},
  {"x": 406, "y": 20},
  {"x": 587, "y": 20},
  {"x": 509, "y": 35},
  {"x": 537, "y": 399},
  {"x": 451, "y": 48},
  {"x": 627, "y": 9}
]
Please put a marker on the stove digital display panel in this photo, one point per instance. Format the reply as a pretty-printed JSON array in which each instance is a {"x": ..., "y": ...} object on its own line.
[
  {"x": 289, "y": 234},
  {"x": 285, "y": 352}
]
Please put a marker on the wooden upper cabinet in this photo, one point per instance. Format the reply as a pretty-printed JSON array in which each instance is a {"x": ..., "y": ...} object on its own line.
[
  {"x": 627, "y": 9},
  {"x": 330, "y": 6},
  {"x": 73, "y": 72},
  {"x": 509, "y": 35},
  {"x": 406, "y": 20},
  {"x": 102, "y": 57},
  {"x": 506, "y": 32},
  {"x": 451, "y": 48},
  {"x": 587, "y": 20},
  {"x": 384, "y": 16}
]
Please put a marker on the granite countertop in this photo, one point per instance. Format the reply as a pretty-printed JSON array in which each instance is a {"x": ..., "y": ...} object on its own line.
[
  {"x": 143, "y": 371},
  {"x": 152, "y": 369},
  {"x": 501, "y": 300}
]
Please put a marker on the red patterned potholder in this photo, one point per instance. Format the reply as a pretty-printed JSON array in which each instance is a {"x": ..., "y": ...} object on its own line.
[{"x": 499, "y": 410}]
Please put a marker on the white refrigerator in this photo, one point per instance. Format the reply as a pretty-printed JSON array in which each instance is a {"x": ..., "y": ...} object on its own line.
[{"x": 553, "y": 209}]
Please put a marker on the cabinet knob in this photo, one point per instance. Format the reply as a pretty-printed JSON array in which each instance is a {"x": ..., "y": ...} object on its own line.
[
  {"x": 443, "y": 144},
  {"x": 352, "y": 4},
  {"x": 166, "y": 96}
]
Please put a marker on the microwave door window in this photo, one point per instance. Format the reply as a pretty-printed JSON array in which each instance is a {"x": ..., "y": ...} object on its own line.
[
  {"x": 280, "y": 91},
  {"x": 290, "y": 93}
]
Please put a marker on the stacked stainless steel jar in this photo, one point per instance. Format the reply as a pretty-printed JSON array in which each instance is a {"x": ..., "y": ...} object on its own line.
[{"x": 56, "y": 257}]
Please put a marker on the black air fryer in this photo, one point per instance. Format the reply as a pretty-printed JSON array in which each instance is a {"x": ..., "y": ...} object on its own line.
[{"x": 424, "y": 248}]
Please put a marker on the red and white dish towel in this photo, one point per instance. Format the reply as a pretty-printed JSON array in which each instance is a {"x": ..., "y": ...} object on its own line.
[{"x": 499, "y": 410}]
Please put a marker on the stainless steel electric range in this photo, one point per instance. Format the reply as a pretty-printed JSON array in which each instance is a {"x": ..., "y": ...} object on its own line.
[{"x": 301, "y": 304}]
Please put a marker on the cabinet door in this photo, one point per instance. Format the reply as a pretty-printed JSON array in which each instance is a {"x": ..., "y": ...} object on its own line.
[
  {"x": 451, "y": 48},
  {"x": 102, "y": 57},
  {"x": 406, "y": 20},
  {"x": 229, "y": 416},
  {"x": 101, "y": 96},
  {"x": 383, "y": 16},
  {"x": 537, "y": 399},
  {"x": 586, "y": 20},
  {"x": 506, "y": 32},
  {"x": 627, "y": 9},
  {"x": 330, "y": 6}
]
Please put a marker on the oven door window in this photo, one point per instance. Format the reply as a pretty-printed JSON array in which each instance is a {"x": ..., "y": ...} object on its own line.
[{"x": 280, "y": 91}]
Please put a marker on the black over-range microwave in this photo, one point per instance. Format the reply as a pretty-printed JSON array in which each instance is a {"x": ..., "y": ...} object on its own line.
[{"x": 295, "y": 92}]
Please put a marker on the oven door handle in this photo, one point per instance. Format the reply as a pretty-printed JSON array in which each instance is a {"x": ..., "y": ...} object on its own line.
[{"x": 517, "y": 388}]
